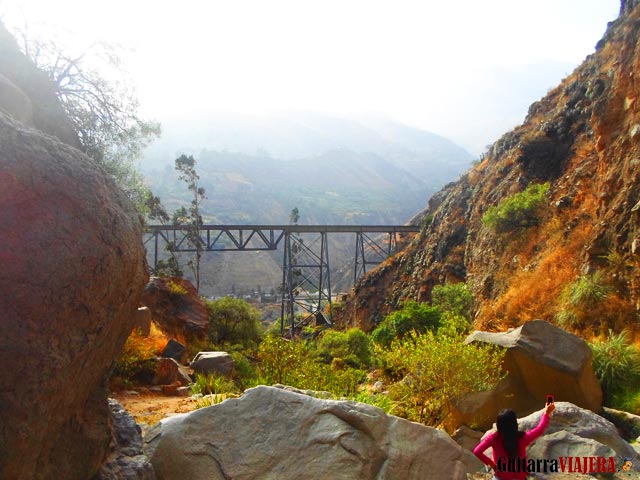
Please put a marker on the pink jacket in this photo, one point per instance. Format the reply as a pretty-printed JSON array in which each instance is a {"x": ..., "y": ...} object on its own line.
[{"x": 494, "y": 440}]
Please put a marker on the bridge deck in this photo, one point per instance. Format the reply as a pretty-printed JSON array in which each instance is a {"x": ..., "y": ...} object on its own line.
[{"x": 298, "y": 228}]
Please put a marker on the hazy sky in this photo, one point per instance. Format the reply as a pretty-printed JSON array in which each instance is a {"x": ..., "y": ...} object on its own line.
[{"x": 465, "y": 69}]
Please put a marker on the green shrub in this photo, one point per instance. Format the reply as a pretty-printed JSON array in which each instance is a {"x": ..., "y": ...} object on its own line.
[
  {"x": 626, "y": 400},
  {"x": 429, "y": 371},
  {"x": 521, "y": 210},
  {"x": 580, "y": 300},
  {"x": 234, "y": 321},
  {"x": 246, "y": 375},
  {"x": 353, "y": 347},
  {"x": 453, "y": 324},
  {"x": 384, "y": 334},
  {"x": 616, "y": 363},
  {"x": 212, "y": 384},
  {"x": 453, "y": 297},
  {"x": 379, "y": 400},
  {"x": 290, "y": 363},
  {"x": 587, "y": 291},
  {"x": 413, "y": 317},
  {"x": 207, "y": 400},
  {"x": 176, "y": 289}
]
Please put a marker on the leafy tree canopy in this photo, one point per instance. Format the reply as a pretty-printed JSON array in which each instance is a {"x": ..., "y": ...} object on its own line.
[{"x": 234, "y": 321}]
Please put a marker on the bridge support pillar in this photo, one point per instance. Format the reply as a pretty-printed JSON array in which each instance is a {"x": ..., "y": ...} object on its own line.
[
  {"x": 306, "y": 284},
  {"x": 372, "y": 251}
]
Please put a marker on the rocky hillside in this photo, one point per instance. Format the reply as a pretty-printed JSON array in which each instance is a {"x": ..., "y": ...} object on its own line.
[{"x": 577, "y": 262}]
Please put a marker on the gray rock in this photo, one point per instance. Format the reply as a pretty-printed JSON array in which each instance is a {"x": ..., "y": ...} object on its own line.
[
  {"x": 126, "y": 460},
  {"x": 272, "y": 433},
  {"x": 174, "y": 349},
  {"x": 466, "y": 437},
  {"x": 541, "y": 358},
  {"x": 628, "y": 424},
  {"x": 219, "y": 363}
]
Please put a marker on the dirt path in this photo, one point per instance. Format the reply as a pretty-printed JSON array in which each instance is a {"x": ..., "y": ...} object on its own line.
[{"x": 149, "y": 408}]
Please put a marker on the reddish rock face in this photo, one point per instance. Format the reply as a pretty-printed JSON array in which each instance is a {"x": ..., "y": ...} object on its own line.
[
  {"x": 176, "y": 307},
  {"x": 583, "y": 138},
  {"x": 72, "y": 269}
]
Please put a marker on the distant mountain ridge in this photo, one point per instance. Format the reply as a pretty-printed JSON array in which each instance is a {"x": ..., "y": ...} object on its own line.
[{"x": 297, "y": 135}]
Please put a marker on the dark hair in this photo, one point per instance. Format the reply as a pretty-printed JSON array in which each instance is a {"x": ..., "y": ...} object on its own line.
[{"x": 507, "y": 424}]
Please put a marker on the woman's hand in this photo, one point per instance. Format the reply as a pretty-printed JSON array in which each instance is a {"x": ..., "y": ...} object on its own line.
[{"x": 550, "y": 408}]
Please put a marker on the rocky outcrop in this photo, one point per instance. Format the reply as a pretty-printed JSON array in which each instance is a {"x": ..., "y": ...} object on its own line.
[
  {"x": 126, "y": 460},
  {"x": 27, "y": 93},
  {"x": 73, "y": 269},
  {"x": 270, "y": 433},
  {"x": 176, "y": 307},
  {"x": 582, "y": 138},
  {"x": 540, "y": 359}
]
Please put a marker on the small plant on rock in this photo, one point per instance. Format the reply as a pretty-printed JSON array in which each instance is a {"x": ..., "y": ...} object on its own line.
[{"x": 521, "y": 210}]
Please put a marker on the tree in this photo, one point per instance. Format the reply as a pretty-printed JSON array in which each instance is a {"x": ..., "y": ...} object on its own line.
[
  {"x": 233, "y": 321},
  {"x": 103, "y": 111},
  {"x": 294, "y": 216},
  {"x": 453, "y": 297},
  {"x": 413, "y": 317},
  {"x": 191, "y": 219}
]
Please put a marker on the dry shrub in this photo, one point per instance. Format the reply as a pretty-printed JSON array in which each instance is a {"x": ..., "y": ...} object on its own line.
[
  {"x": 139, "y": 351},
  {"x": 546, "y": 263}
]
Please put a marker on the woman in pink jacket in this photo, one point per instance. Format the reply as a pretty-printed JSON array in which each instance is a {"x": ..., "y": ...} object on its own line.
[{"x": 510, "y": 445}]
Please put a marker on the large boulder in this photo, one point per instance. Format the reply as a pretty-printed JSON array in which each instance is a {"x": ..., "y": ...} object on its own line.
[
  {"x": 540, "y": 359},
  {"x": 72, "y": 271},
  {"x": 217, "y": 363},
  {"x": 176, "y": 307},
  {"x": 271, "y": 433}
]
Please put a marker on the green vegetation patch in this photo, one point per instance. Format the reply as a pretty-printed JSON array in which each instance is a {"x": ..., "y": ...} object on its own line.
[
  {"x": 521, "y": 210},
  {"x": 616, "y": 363}
]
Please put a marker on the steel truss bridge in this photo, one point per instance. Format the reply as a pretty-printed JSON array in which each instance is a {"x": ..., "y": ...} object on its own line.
[{"x": 306, "y": 282}]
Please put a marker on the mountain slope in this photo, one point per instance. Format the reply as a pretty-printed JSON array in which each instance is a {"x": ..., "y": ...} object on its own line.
[{"x": 584, "y": 139}]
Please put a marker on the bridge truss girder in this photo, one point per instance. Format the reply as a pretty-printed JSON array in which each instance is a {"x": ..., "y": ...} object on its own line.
[{"x": 306, "y": 282}]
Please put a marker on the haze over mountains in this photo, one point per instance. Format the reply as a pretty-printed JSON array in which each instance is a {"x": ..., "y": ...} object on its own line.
[{"x": 334, "y": 170}]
